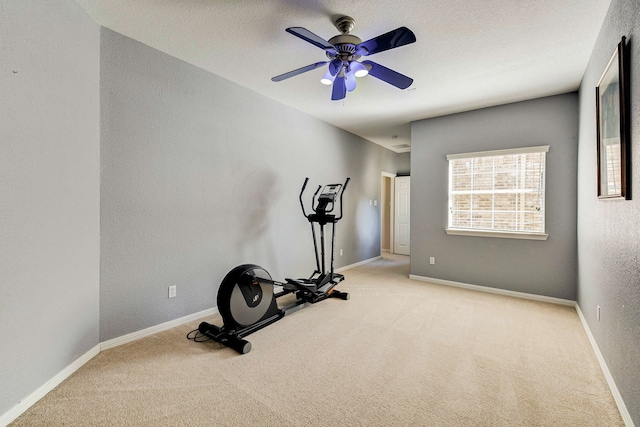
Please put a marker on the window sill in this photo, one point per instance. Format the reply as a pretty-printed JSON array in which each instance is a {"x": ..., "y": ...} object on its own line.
[{"x": 499, "y": 234}]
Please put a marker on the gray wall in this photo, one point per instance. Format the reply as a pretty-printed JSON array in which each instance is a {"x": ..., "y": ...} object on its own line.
[
  {"x": 200, "y": 175},
  {"x": 49, "y": 192},
  {"x": 404, "y": 163},
  {"x": 538, "y": 267},
  {"x": 608, "y": 231}
]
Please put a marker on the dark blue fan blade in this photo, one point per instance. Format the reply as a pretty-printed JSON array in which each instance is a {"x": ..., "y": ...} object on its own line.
[
  {"x": 388, "y": 75},
  {"x": 396, "y": 38},
  {"x": 339, "y": 89},
  {"x": 308, "y": 36},
  {"x": 298, "y": 71},
  {"x": 335, "y": 66}
]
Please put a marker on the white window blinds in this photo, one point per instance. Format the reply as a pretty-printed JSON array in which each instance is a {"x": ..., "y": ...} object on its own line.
[{"x": 498, "y": 191}]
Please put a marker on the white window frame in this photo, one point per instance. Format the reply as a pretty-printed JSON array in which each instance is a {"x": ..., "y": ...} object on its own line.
[{"x": 490, "y": 233}]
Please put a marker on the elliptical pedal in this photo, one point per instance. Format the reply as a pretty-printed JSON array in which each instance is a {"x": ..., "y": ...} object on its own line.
[{"x": 303, "y": 285}]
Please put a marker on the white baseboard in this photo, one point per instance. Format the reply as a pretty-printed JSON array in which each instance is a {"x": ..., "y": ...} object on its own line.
[
  {"x": 30, "y": 400},
  {"x": 490, "y": 290},
  {"x": 366, "y": 261},
  {"x": 155, "y": 329},
  {"x": 624, "y": 413}
]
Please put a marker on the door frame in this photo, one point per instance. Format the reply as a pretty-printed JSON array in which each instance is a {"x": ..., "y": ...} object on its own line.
[{"x": 392, "y": 198}]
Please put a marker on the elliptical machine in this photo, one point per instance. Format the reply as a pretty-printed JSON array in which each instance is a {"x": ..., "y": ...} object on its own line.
[{"x": 246, "y": 297}]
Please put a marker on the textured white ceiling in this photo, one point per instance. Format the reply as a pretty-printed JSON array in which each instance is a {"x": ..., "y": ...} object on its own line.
[{"x": 468, "y": 54}]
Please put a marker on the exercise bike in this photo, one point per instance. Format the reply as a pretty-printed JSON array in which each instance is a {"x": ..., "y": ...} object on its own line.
[{"x": 246, "y": 297}]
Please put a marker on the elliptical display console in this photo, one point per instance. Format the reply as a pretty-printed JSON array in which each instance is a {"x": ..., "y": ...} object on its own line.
[{"x": 246, "y": 298}]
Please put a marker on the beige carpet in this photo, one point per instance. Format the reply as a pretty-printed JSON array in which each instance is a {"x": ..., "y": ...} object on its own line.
[{"x": 398, "y": 353}]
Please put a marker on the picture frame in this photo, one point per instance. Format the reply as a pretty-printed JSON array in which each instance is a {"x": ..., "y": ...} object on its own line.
[{"x": 612, "y": 121}]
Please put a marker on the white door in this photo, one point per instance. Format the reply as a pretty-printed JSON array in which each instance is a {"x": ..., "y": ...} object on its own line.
[{"x": 401, "y": 243}]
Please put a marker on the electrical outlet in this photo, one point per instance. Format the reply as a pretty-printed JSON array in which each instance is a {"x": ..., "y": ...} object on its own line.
[
  {"x": 172, "y": 291},
  {"x": 375, "y": 203},
  {"x": 598, "y": 312},
  {"x": 432, "y": 260}
]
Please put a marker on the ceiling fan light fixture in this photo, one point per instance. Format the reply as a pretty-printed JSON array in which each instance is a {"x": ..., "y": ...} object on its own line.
[
  {"x": 350, "y": 81},
  {"x": 358, "y": 69},
  {"x": 328, "y": 78}
]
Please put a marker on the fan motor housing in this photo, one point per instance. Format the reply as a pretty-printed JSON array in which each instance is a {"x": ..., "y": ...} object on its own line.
[
  {"x": 345, "y": 39},
  {"x": 346, "y": 47}
]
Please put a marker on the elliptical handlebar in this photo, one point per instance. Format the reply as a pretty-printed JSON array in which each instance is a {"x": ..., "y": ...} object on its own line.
[
  {"x": 313, "y": 201},
  {"x": 306, "y": 180},
  {"x": 344, "y": 187}
]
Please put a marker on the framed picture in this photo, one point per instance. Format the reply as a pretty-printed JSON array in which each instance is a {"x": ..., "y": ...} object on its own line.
[{"x": 612, "y": 109}]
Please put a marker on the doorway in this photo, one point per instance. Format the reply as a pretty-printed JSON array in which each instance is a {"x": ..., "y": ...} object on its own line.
[{"x": 394, "y": 214}]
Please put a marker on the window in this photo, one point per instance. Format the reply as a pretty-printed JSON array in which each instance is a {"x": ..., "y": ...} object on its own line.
[{"x": 498, "y": 193}]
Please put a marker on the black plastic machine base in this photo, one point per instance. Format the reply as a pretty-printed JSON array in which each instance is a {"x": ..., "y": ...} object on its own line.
[{"x": 230, "y": 340}]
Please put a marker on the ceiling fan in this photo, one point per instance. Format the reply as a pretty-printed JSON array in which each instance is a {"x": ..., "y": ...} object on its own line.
[{"x": 344, "y": 51}]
